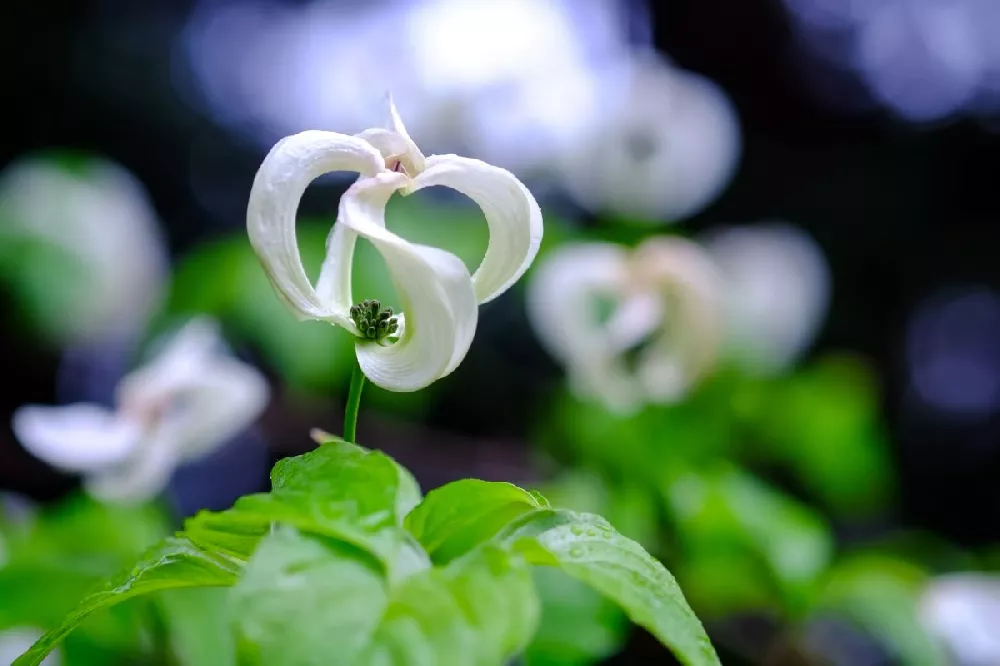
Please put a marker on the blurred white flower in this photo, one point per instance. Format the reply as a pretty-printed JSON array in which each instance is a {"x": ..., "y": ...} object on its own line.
[
  {"x": 439, "y": 297},
  {"x": 926, "y": 60},
  {"x": 99, "y": 216},
  {"x": 778, "y": 291},
  {"x": 521, "y": 77},
  {"x": 17, "y": 640},
  {"x": 511, "y": 81},
  {"x": 922, "y": 59},
  {"x": 666, "y": 293},
  {"x": 185, "y": 403},
  {"x": 963, "y": 612},
  {"x": 663, "y": 152}
]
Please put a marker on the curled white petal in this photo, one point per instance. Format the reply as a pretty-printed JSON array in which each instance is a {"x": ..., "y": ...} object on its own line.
[
  {"x": 561, "y": 302},
  {"x": 434, "y": 286},
  {"x": 292, "y": 164},
  {"x": 193, "y": 384},
  {"x": 227, "y": 397},
  {"x": 561, "y": 295},
  {"x": 684, "y": 275},
  {"x": 635, "y": 319},
  {"x": 513, "y": 216},
  {"x": 141, "y": 477},
  {"x": 334, "y": 284},
  {"x": 394, "y": 142},
  {"x": 76, "y": 438},
  {"x": 181, "y": 362}
]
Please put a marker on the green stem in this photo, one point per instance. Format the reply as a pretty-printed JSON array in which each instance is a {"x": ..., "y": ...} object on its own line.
[{"x": 353, "y": 403}]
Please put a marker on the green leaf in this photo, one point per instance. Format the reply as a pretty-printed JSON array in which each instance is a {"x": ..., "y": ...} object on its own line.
[
  {"x": 305, "y": 601},
  {"x": 80, "y": 534},
  {"x": 457, "y": 517},
  {"x": 822, "y": 423},
  {"x": 64, "y": 551},
  {"x": 234, "y": 532},
  {"x": 578, "y": 626},
  {"x": 238, "y": 530},
  {"x": 338, "y": 490},
  {"x": 175, "y": 563},
  {"x": 377, "y": 490},
  {"x": 586, "y": 547},
  {"x": 880, "y": 593},
  {"x": 631, "y": 508},
  {"x": 497, "y": 595},
  {"x": 198, "y": 626},
  {"x": 722, "y": 508},
  {"x": 479, "y": 610}
]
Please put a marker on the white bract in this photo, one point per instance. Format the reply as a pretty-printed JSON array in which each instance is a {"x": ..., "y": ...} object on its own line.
[
  {"x": 440, "y": 298},
  {"x": 963, "y": 612},
  {"x": 666, "y": 293},
  {"x": 778, "y": 292},
  {"x": 185, "y": 403}
]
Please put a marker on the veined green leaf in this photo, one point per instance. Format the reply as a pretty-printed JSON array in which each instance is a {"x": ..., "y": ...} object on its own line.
[
  {"x": 338, "y": 490},
  {"x": 377, "y": 490},
  {"x": 175, "y": 563},
  {"x": 303, "y": 600},
  {"x": 579, "y": 626},
  {"x": 479, "y": 610},
  {"x": 457, "y": 517},
  {"x": 307, "y": 601},
  {"x": 586, "y": 547}
]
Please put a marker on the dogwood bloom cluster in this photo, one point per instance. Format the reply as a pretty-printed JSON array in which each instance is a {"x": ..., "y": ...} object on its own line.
[
  {"x": 666, "y": 300},
  {"x": 439, "y": 297},
  {"x": 185, "y": 403},
  {"x": 777, "y": 292}
]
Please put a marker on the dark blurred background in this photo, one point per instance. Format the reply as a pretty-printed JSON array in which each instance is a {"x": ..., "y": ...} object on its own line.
[
  {"x": 902, "y": 209},
  {"x": 888, "y": 162}
]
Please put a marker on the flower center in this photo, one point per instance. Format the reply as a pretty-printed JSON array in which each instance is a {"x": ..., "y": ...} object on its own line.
[
  {"x": 395, "y": 164},
  {"x": 374, "y": 322}
]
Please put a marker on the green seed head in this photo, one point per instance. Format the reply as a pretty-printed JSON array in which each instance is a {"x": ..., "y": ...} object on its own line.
[{"x": 374, "y": 322}]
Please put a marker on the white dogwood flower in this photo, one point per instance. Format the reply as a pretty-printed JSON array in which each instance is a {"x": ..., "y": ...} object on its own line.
[
  {"x": 962, "y": 611},
  {"x": 439, "y": 297},
  {"x": 185, "y": 403},
  {"x": 777, "y": 292},
  {"x": 665, "y": 149},
  {"x": 666, "y": 293}
]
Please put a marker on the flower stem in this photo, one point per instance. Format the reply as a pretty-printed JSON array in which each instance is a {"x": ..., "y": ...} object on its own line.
[{"x": 353, "y": 403}]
